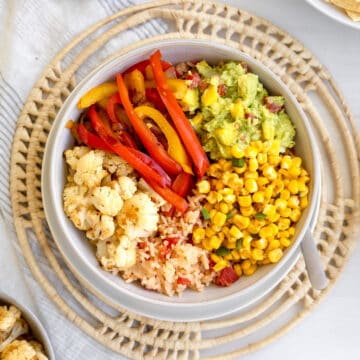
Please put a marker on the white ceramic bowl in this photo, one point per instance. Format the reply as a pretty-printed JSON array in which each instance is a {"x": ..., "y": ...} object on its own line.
[
  {"x": 213, "y": 301},
  {"x": 34, "y": 323},
  {"x": 334, "y": 13}
]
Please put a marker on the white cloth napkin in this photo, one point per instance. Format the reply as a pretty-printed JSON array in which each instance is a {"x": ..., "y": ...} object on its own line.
[{"x": 32, "y": 32}]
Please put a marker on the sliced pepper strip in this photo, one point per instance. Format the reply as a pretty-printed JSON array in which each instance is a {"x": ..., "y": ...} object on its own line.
[
  {"x": 96, "y": 94},
  {"x": 170, "y": 196},
  {"x": 175, "y": 147},
  {"x": 182, "y": 124},
  {"x": 182, "y": 184},
  {"x": 134, "y": 157},
  {"x": 153, "y": 96},
  {"x": 149, "y": 140},
  {"x": 91, "y": 140},
  {"x": 110, "y": 108},
  {"x": 141, "y": 66}
]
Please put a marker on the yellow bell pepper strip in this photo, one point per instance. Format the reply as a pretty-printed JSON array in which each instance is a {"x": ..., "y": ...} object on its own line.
[
  {"x": 135, "y": 83},
  {"x": 96, "y": 94},
  {"x": 175, "y": 147},
  {"x": 151, "y": 143},
  {"x": 142, "y": 163},
  {"x": 182, "y": 124},
  {"x": 177, "y": 86}
]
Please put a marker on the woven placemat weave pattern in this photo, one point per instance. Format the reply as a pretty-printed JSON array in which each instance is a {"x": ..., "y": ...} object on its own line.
[{"x": 139, "y": 337}]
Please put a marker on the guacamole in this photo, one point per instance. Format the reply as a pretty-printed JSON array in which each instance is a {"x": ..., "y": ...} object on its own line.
[{"x": 233, "y": 108}]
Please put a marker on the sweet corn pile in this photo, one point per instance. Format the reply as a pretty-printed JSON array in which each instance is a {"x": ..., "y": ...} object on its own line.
[{"x": 252, "y": 205}]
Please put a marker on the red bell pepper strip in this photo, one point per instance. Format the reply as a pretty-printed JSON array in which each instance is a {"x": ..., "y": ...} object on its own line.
[
  {"x": 170, "y": 196},
  {"x": 91, "y": 140},
  {"x": 151, "y": 143},
  {"x": 182, "y": 124},
  {"x": 182, "y": 184},
  {"x": 141, "y": 66},
  {"x": 110, "y": 108},
  {"x": 134, "y": 157},
  {"x": 183, "y": 281},
  {"x": 153, "y": 96}
]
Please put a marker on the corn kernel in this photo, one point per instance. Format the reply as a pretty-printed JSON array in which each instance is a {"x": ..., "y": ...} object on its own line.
[
  {"x": 220, "y": 265},
  {"x": 258, "y": 197},
  {"x": 251, "y": 185},
  {"x": 285, "y": 242},
  {"x": 229, "y": 198},
  {"x": 302, "y": 186},
  {"x": 293, "y": 202},
  {"x": 280, "y": 204},
  {"x": 278, "y": 186},
  {"x": 219, "y": 219},
  {"x": 249, "y": 271},
  {"x": 206, "y": 244},
  {"x": 269, "y": 172},
  {"x": 240, "y": 221},
  {"x": 296, "y": 161},
  {"x": 244, "y": 201},
  {"x": 209, "y": 232},
  {"x": 269, "y": 191},
  {"x": 214, "y": 170},
  {"x": 210, "y": 95},
  {"x": 215, "y": 242},
  {"x": 261, "y": 181},
  {"x": 274, "y": 228},
  {"x": 274, "y": 159},
  {"x": 257, "y": 254},
  {"x": 231, "y": 243},
  {"x": 286, "y": 162},
  {"x": 212, "y": 213},
  {"x": 240, "y": 170},
  {"x": 283, "y": 223},
  {"x": 294, "y": 172},
  {"x": 219, "y": 185},
  {"x": 235, "y": 232},
  {"x": 274, "y": 148},
  {"x": 238, "y": 269},
  {"x": 246, "y": 264},
  {"x": 221, "y": 236},
  {"x": 203, "y": 186},
  {"x": 212, "y": 197},
  {"x": 247, "y": 211},
  {"x": 244, "y": 253},
  {"x": 293, "y": 187},
  {"x": 246, "y": 241},
  {"x": 285, "y": 212},
  {"x": 224, "y": 207},
  {"x": 215, "y": 258},
  {"x": 236, "y": 152},
  {"x": 303, "y": 202},
  {"x": 235, "y": 182},
  {"x": 269, "y": 210},
  {"x": 228, "y": 257},
  {"x": 261, "y": 243},
  {"x": 291, "y": 231},
  {"x": 251, "y": 152},
  {"x": 275, "y": 255},
  {"x": 266, "y": 232},
  {"x": 285, "y": 194},
  {"x": 268, "y": 130},
  {"x": 253, "y": 165},
  {"x": 295, "y": 215},
  {"x": 284, "y": 233},
  {"x": 273, "y": 244},
  {"x": 235, "y": 254},
  {"x": 261, "y": 158},
  {"x": 198, "y": 235}
]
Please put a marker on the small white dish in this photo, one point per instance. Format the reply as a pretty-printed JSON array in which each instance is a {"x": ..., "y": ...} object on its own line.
[
  {"x": 334, "y": 12},
  {"x": 35, "y": 326},
  {"x": 79, "y": 254}
]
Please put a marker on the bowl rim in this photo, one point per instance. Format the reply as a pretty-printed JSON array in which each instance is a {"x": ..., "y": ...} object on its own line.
[
  {"x": 36, "y": 325},
  {"x": 60, "y": 120}
]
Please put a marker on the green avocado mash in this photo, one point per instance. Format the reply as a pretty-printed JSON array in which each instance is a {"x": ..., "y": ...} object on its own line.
[{"x": 232, "y": 108}]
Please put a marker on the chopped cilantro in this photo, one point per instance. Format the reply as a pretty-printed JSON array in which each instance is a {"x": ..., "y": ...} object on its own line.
[
  {"x": 260, "y": 216},
  {"x": 238, "y": 162},
  {"x": 205, "y": 213},
  {"x": 221, "y": 251}
]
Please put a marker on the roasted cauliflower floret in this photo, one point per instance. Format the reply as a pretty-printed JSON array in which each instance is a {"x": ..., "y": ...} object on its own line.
[
  {"x": 125, "y": 186},
  {"x": 19, "y": 350},
  {"x": 116, "y": 165},
  {"x": 74, "y": 197},
  {"x": 8, "y": 318},
  {"x": 89, "y": 169},
  {"x": 138, "y": 216},
  {"x": 39, "y": 350},
  {"x": 73, "y": 155},
  {"x": 116, "y": 255},
  {"x": 106, "y": 200},
  {"x": 102, "y": 229}
]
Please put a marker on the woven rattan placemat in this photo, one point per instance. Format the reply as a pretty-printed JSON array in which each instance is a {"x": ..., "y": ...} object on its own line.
[{"x": 133, "y": 335}]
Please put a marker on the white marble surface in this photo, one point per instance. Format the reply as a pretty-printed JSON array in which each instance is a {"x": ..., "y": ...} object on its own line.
[{"x": 331, "y": 332}]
